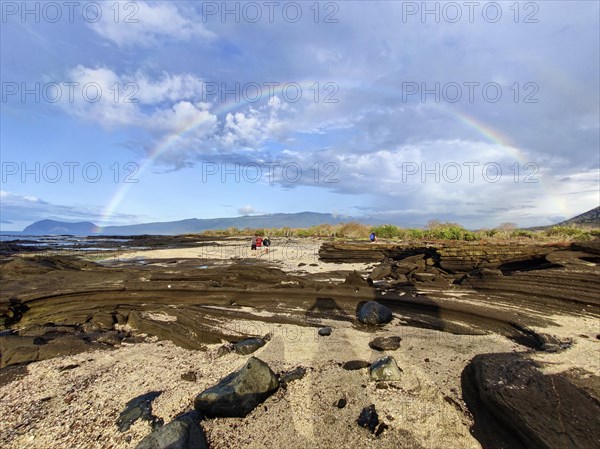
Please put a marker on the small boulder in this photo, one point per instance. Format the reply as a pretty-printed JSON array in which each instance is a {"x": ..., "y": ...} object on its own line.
[
  {"x": 239, "y": 393},
  {"x": 373, "y": 313},
  {"x": 368, "y": 418},
  {"x": 184, "y": 432},
  {"x": 341, "y": 403},
  {"x": 384, "y": 368},
  {"x": 249, "y": 345},
  {"x": 353, "y": 365},
  {"x": 385, "y": 343},
  {"x": 325, "y": 331}
]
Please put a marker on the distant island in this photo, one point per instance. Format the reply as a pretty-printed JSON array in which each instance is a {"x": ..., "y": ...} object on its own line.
[
  {"x": 589, "y": 219},
  {"x": 192, "y": 225}
]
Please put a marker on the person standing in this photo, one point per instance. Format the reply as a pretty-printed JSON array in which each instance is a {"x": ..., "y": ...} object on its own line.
[{"x": 266, "y": 243}]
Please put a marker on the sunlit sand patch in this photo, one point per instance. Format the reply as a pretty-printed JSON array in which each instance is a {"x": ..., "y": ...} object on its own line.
[{"x": 159, "y": 316}]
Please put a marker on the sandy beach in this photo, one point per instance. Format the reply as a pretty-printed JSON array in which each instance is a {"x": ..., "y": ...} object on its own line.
[{"x": 175, "y": 308}]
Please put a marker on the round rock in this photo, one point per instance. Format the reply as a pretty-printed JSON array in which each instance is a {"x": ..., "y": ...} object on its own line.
[
  {"x": 325, "y": 331},
  {"x": 373, "y": 313}
]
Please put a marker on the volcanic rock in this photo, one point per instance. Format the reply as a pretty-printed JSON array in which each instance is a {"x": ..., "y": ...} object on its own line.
[
  {"x": 239, "y": 393},
  {"x": 381, "y": 272},
  {"x": 353, "y": 365},
  {"x": 354, "y": 279},
  {"x": 516, "y": 405},
  {"x": 325, "y": 331},
  {"x": 368, "y": 418},
  {"x": 385, "y": 343},
  {"x": 249, "y": 345},
  {"x": 184, "y": 432},
  {"x": 290, "y": 376},
  {"x": 373, "y": 313},
  {"x": 190, "y": 376},
  {"x": 224, "y": 350}
]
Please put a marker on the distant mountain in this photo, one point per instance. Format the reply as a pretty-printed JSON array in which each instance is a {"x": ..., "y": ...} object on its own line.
[
  {"x": 591, "y": 219},
  {"x": 61, "y": 227},
  {"x": 298, "y": 220}
]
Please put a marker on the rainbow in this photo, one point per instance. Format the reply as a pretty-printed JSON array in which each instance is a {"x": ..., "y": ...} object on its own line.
[
  {"x": 165, "y": 144},
  {"x": 168, "y": 142},
  {"x": 507, "y": 145}
]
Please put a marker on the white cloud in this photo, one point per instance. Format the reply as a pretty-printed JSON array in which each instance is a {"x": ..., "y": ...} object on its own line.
[
  {"x": 168, "y": 104},
  {"x": 246, "y": 210},
  {"x": 168, "y": 88},
  {"x": 143, "y": 23}
]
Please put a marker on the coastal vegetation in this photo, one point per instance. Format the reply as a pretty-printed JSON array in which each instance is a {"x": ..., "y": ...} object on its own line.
[{"x": 435, "y": 230}]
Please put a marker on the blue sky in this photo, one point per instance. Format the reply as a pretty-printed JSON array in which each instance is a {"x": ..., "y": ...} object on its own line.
[{"x": 128, "y": 112}]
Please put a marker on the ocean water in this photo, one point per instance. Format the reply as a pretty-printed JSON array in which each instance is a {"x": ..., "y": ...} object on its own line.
[{"x": 78, "y": 243}]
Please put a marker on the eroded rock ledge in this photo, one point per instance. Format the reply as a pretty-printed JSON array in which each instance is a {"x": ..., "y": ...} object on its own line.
[{"x": 516, "y": 405}]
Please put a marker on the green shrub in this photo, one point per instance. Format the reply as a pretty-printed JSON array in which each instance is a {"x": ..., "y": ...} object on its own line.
[
  {"x": 387, "y": 231},
  {"x": 416, "y": 233},
  {"x": 568, "y": 232},
  {"x": 448, "y": 231}
]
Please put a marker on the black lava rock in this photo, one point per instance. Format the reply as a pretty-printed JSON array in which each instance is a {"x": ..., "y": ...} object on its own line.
[
  {"x": 325, "y": 331},
  {"x": 373, "y": 313},
  {"x": 368, "y": 418},
  {"x": 184, "y": 432},
  {"x": 239, "y": 393},
  {"x": 352, "y": 365},
  {"x": 385, "y": 343}
]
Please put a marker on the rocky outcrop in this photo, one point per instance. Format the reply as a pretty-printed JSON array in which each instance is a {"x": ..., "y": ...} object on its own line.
[
  {"x": 15, "y": 349},
  {"x": 518, "y": 406},
  {"x": 448, "y": 255},
  {"x": 368, "y": 252},
  {"x": 239, "y": 393}
]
